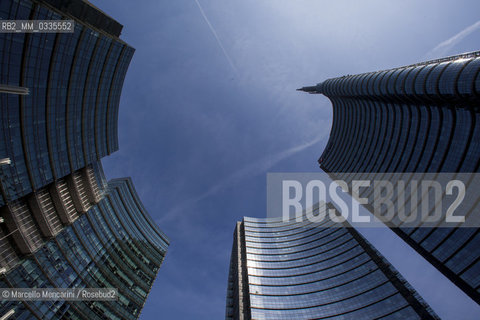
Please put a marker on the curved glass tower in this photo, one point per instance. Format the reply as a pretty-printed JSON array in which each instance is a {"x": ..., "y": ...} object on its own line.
[
  {"x": 289, "y": 270},
  {"x": 63, "y": 114},
  {"x": 59, "y": 99},
  {"x": 420, "y": 118},
  {"x": 62, "y": 225},
  {"x": 114, "y": 245}
]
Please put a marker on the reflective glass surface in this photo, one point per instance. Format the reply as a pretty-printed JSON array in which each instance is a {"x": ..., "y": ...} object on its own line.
[
  {"x": 431, "y": 124},
  {"x": 102, "y": 249},
  {"x": 69, "y": 118},
  {"x": 309, "y": 271}
]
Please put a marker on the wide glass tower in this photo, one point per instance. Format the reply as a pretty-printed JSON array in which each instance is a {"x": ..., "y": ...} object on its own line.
[
  {"x": 61, "y": 224},
  {"x": 59, "y": 94},
  {"x": 114, "y": 245},
  {"x": 59, "y": 99},
  {"x": 419, "y": 118},
  {"x": 306, "y": 270}
]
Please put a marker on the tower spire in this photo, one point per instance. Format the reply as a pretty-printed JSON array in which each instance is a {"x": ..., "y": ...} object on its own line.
[{"x": 312, "y": 89}]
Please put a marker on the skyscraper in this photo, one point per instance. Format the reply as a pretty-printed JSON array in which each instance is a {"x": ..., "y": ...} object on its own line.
[
  {"x": 59, "y": 99},
  {"x": 62, "y": 225},
  {"x": 309, "y": 270},
  {"x": 418, "y": 118},
  {"x": 114, "y": 245},
  {"x": 63, "y": 114}
]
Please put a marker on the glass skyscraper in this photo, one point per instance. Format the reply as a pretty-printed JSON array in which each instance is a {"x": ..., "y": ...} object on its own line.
[
  {"x": 309, "y": 270},
  {"x": 59, "y": 99},
  {"x": 62, "y": 225},
  {"x": 418, "y": 118},
  {"x": 114, "y": 245},
  {"x": 62, "y": 115}
]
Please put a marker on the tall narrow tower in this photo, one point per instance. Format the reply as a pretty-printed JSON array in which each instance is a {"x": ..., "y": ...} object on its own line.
[{"x": 421, "y": 118}]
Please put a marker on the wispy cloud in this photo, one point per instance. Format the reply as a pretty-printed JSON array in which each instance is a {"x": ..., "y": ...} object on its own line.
[
  {"x": 220, "y": 44},
  {"x": 251, "y": 170},
  {"x": 443, "y": 48}
]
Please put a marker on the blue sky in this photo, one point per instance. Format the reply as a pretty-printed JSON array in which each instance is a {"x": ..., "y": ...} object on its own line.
[{"x": 209, "y": 107}]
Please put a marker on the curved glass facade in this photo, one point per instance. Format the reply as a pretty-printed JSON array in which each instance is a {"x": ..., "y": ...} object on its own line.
[
  {"x": 62, "y": 225},
  {"x": 114, "y": 245},
  {"x": 424, "y": 118},
  {"x": 30, "y": 221},
  {"x": 314, "y": 271},
  {"x": 69, "y": 118}
]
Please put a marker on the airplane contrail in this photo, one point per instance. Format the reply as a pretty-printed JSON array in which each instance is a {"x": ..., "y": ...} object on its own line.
[
  {"x": 216, "y": 36},
  {"x": 253, "y": 169},
  {"x": 443, "y": 47}
]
